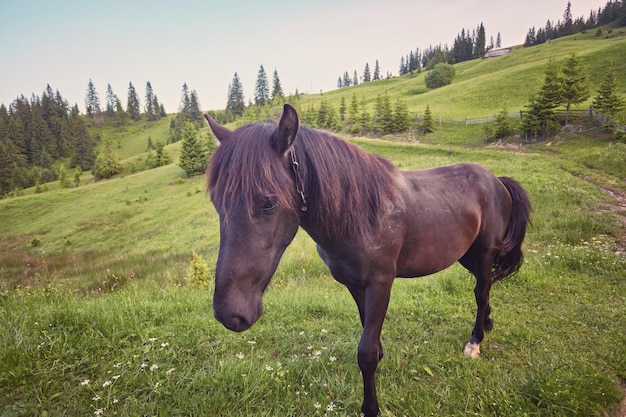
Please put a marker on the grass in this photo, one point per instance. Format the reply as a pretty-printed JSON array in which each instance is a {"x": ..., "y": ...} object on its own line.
[
  {"x": 103, "y": 320},
  {"x": 98, "y": 315}
]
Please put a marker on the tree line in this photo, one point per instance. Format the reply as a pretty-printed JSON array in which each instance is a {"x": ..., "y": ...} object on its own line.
[
  {"x": 614, "y": 11},
  {"x": 35, "y": 133}
]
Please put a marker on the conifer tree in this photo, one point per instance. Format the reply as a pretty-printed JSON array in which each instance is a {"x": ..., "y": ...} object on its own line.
[
  {"x": 401, "y": 120},
  {"x": 376, "y": 76},
  {"x": 342, "y": 109},
  {"x": 277, "y": 89},
  {"x": 84, "y": 154},
  {"x": 107, "y": 163},
  {"x": 152, "y": 110},
  {"x": 428, "y": 123},
  {"x": 111, "y": 101},
  {"x": 64, "y": 180},
  {"x": 92, "y": 101},
  {"x": 262, "y": 90},
  {"x": 235, "y": 103},
  {"x": 575, "y": 84},
  {"x": 347, "y": 81},
  {"x": 133, "y": 107},
  {"x": 367, "y": 76},
  {"x": 383, "y": 115},
  {"x": 193, "y": 154},
  {"x": 607, "y": 101}
]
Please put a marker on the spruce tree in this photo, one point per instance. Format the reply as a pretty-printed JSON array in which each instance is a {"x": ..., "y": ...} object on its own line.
[
  {"x": 133, "y": 107},
  {"x": 92, "y": 101},
  {"x": 575, "y": 84},
  {"x": 367, "y": 77},
  {"x": 151, "y": 112},
  {"x": 607, "y": 101},
  {"x": 384, "y": 114},
  {"x": 428, "y": 123},
  {"x": 262, "y": 90},
  {"x": 277, "y": 89},
  {"x": 193, "y": 155},
  {"x": 111, "y": 101},
  {"x": 235, "y": 104},
  {"x": 401, "y": 120},
  {"x": 376, "y": 76},
  {"x": 107, "y": 163},
  {"x": 84, "y": 154}
]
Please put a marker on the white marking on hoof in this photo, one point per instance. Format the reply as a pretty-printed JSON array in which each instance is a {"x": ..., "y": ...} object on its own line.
[{"x": 472, "y": 351}]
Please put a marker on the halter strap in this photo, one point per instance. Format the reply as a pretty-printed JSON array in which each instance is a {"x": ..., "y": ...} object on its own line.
[{"x": 299, "y": 183}]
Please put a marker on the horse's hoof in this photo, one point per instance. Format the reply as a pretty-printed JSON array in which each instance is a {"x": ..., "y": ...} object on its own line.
[{"x": 472, "y": 351}]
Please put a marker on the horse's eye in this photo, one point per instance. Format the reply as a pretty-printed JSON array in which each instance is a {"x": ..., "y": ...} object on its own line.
[{"x": 269, "y": 205}]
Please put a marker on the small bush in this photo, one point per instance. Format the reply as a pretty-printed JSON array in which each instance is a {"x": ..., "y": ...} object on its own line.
[
  {"x": 440, "y": 76},
  {"x": 198, "y": 271}
]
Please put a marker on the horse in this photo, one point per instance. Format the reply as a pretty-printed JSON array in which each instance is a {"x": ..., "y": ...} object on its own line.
[{"x": 371, "y": 222}]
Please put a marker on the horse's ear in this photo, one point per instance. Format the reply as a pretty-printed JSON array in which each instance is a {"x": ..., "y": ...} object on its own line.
[
  {"x": 221, "y": 133},
  {"x": 287, "y": 129}
]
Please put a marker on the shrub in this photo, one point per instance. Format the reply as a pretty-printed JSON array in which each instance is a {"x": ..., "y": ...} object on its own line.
[
  {"x": 198, "y": 271},
  {"x": 440, "y": 76}
]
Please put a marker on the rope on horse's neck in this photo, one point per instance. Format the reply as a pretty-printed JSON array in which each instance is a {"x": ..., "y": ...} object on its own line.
[{"x": 299, "y": 183}]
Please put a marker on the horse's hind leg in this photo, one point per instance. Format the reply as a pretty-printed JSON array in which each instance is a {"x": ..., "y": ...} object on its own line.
[{"x": 481, "y": 268}]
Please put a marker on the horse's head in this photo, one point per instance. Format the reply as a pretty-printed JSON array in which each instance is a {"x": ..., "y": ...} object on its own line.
[{"x": 253, "y": 189}]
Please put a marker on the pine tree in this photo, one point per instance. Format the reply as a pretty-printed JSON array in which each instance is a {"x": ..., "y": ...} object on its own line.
[
  {"x": 193, "y": 155},
  {"x": 92, "y": 101},
  {"x": 133, "y": 107},
  {"x": 120, "y": 113},
  {"x": 401, "y": 120},
  {"x": 107, "y": 163},
  {"x": 383, "y": 115},
  {"x": 152, "y": 111},
  {"x": 376, "y": 76},
  {"x": 480, "y": 42},
  {"x": 353, "y": 114},
  {"x": 540, "y": 112},
  {"x": 575, "y": 84},
  {"x": 235, "y": 103},
  {"x": 64, "y": 179},
  {"x": 277, "y": 89},
  {"x": 499, "y": 41},
  {"x": 607, "y": 101},
  {"x": 367, "y": 77},
  {"x": 428, "y": 123},
  {"x": 262, "y": 90},
  {"x": 84, "y": 154},
  {"x": 111, "y": 101},
  {"x": 364, "y": 118},
  {"x": 342, "y": 109},
  {"x": 195, "y": 114},
  {"x": 568, "y": 23},
  {"x": 355, "y": 78},
  {"x": 347, "y": 81}
]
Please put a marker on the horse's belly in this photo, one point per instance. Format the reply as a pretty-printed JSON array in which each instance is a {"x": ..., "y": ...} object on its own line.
[{"x": 421, "y": 260}]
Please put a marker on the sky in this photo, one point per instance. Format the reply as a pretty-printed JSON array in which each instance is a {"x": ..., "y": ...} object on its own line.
[{"x": 203, "y": 43}]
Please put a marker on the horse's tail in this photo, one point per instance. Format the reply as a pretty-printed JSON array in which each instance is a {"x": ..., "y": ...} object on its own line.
[{"x": 510, "y": 257}]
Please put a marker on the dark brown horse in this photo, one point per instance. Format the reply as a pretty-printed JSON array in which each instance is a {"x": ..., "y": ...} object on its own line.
[{"x": 371, "y": 222}]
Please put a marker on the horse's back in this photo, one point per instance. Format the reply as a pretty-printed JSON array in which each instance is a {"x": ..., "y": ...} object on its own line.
[{"x": 447, "y": 209}]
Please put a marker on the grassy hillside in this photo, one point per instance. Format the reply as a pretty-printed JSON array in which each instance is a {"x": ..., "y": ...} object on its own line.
[
  {"x": 483, "y": 87},
  {"x": 98, "y": 315}
]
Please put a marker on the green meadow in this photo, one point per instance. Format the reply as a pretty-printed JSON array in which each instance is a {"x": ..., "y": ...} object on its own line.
[{"x": 99, "y": 315}]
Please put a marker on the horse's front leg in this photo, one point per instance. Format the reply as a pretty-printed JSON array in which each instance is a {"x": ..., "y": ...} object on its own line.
[{"x": 376, "y": 302}]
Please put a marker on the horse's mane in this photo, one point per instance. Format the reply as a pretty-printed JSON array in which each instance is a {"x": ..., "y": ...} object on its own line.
[{"x": 346, "y": 188}]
